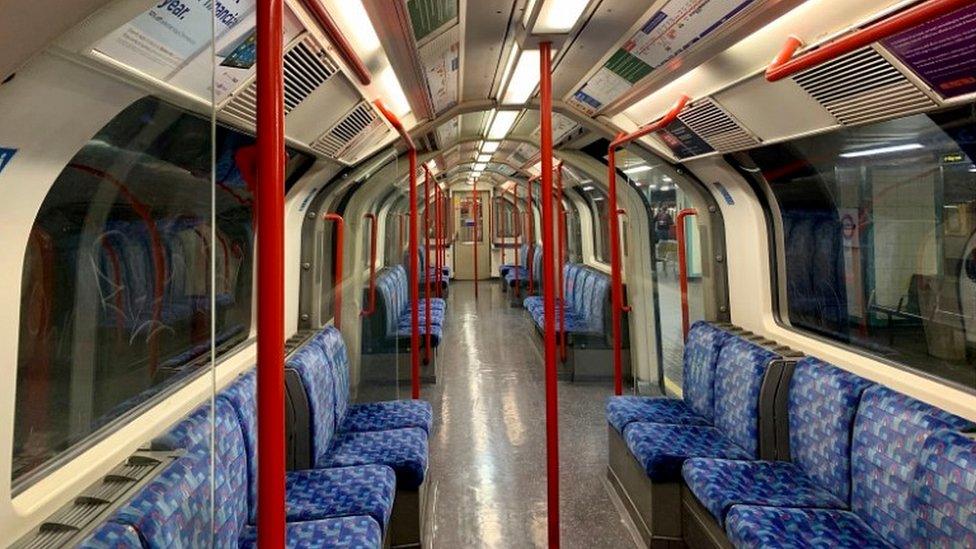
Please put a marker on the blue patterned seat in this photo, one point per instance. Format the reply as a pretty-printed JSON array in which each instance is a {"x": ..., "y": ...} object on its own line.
[
  {"x": 698, "y": 387},
  {"x": 313, "y": 494},
  {"x": 586, "y": 296},
  {"x": 346, "y": 532},
  {"x": 822, "y": 403},
  {"x": 753, "y": 527},
  {"x": 944, "y": 493},
  {"x": 523, "y": 252},
  {"x": 112, "y": 535},
  {"x": 662, "y": 449},
  {"x": 403, "y": 450}
]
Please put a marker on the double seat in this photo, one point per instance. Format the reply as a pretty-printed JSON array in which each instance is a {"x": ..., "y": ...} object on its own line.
[
  {"x": 388, "y": 328},
  {"x": 512, "y": 276},
  {"x": 811, "y": 456},
  {"x": 363, "y": 458}
]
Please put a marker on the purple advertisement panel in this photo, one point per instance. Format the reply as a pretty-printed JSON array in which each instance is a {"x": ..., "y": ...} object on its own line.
[{"x": 942, "y": 52}]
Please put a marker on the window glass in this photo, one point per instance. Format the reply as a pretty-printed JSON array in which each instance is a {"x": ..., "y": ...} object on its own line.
[
  {"x": 116, "y": 302},
  {"x": 877, "y": 238},
  {"x": 601, "y": 223}
]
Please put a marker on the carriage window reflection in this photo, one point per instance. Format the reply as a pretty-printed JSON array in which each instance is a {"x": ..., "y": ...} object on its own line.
[{"x": 878, "y": 238}]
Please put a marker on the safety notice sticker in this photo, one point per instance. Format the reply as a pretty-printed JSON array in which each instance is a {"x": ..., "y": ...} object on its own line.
[{"x": 5, "y": 156}]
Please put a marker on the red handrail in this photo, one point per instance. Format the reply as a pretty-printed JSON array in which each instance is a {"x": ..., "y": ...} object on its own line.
[
  {"x": 531, "y": 222},
  {"x": 785, "y": 65},
  {"x": 683, "y": 266},
  {"x": 270, "y": 201},
  {"x": 414, "y": 279},
  {"x": 339, "y": 40},
  {"x": 477, "y": 242},
  {"x": 371, "y": 308},
  {"x": 549, "y": 294},
  {"x": 340, "y": 224},
  {"x": 427, "y": 263},
  {"x": 561, "y": 229},
  {"x": 437, "y": 236},
  {"x": 616, "y": 288}
]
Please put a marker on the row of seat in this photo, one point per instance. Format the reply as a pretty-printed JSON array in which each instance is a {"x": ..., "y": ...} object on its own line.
[
  {"x": 825, "y": 459},
  {"x": 363, "y": 459},
  {"x": 586, "y": 306},
  {"x": 388, "y": 329},
  {"x": 513, "y": 276}
]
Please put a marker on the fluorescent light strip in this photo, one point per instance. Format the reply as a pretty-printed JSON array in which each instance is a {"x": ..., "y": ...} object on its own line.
[
  {"x": 502, "y": 124},
  {"x": 529, "y": 6},
  {"x": 588, "y": 187},
  {"x": 559, "y": 16},
  {"x": 484, "y": 158},
  {"x": 524, "y": 79},
  {"x": 637, "y": 169},
  {"x": 489, "y": 147},
  {"x": 883, "y": 150}
]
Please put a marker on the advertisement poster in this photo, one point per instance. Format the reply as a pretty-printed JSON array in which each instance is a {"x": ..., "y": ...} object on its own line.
[
  {"x": 942, "y": 52},
  {"x": 669, "y": 32},
  {"x": 172, "y": 43}
]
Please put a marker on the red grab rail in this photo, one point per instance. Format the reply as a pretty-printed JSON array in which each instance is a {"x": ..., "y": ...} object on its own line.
[
  {"x": 427, "y": 263},
  {"x": 270, "y": 202},
  {"x": 683, "y": 266},
  {"x": 785, "y": 65},
  {"x": 371, "y": 308},
  {"x": 414, "y": 279},
  {"x": 549, "y": 294},
  {"x": 338, "y": 39},
  {"x": 437, "y": 236},
  {"x": 561, "y": 231},
  {"x": 617, "y": 291},
  {"x": 340, "y": 224},
  {"x": 477, "y": 242}
]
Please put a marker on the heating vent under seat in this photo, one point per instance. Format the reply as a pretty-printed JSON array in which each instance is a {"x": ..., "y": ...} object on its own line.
[
  {"x": 862, "y": 87},
  {"x": 348, "y": 132},
  {"x": 306, "y": 67},
  {"x": 717, "y": 127}
]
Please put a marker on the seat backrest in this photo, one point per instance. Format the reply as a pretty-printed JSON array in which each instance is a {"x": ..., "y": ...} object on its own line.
[
  {"x": 944, "y": 491},
  {"x": 822, "y": 403},
  {"x": 889, "y": 432},
  {"x": 388, "y": 299},
  {"x": 700, "y": 357},
  {"x": 337, "y": 359},
  {"x": 739, "y": 375},
  {"x": 242, "y": 395},
  {"x": 112, "y": 535},
  {"x": 311, "y": 366},
  {"x": 597, "y": 301}
]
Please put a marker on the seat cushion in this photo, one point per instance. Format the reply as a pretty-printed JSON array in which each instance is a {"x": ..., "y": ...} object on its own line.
[
  {"x": 351, "y": 532},
  {"x": 944, "y": 491},
  {"x": 436, "y": 332},
  {"x": 751, "y": 527},
  {"x": 112, "y": 535},
  {"x": 436, "y": 318},
  {"x": 316, "y": 494},
  {"x": 662, "y": 449},
  {"x": 624, "y": 410},
  {"x": 739, "y": 375},
  {"x": 404, "y": 450},
  {"x": 384, "y": 416},
  {"x": 721, "y": 483}
]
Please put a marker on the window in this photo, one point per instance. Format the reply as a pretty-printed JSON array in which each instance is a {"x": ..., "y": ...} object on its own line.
[
  {"x": 601, "y": 224},
  {"x": 116, "y": 294},
  {"x": 877, "y": 238},
  {"x": 506, "y": 220}
]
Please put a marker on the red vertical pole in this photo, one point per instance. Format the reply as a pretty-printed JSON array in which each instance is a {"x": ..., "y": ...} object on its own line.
[
  {"x": 683, "y": 265},
  {"x": 518, "y": 248},
  {"x": 337, "y": 268},
  {"x": 549, "y": 294},
  {"x": 270, "y": 201},
  {"x": 371, "y": 306},
  {"x": 477, "y": 241},
  {"x": 437, "y": 236},
  {"x": 616, "y": 284},
  {"x": 561, "y": 230},
  {"x": 414, "y": 279},
  {"x": 427, "y": 264},
  {"x": 531, "y": 222}
]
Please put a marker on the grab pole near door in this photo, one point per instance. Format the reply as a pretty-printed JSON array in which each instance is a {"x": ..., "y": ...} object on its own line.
[
  {"x": 271, "y": 274},
  {"x": 414, "y": 279},
  {"x": 679, "y": 223},
  {"x": 477, "y": 242},
  {"x": 616, "y": 286},
  {"x": 549, "y": 293},
  {"x": 427, "y": 178},
  {"x": 340, "y": 225}
]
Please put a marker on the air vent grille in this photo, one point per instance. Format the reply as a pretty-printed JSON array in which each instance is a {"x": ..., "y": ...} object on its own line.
[
  {"x": 348, "y": 132},
  {"x": 306, "y": 67},
  {"x": 717, "y": 127},
  {"x": 862, "y": 87}
]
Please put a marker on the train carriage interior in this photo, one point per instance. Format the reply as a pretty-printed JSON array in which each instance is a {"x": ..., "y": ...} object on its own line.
[{"x": 495, "y": 273}]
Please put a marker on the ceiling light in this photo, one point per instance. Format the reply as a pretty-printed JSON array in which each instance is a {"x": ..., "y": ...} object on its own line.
[
  {"x": 484, "y": 158},
  {"x": 652, "y": 187},
  {"x": 585, "y": 181},
  {"x": 588, "y": 187},
  {"x": 524, "y": 79},
  {"x": 637, "y": 169},
  {"x": 489, "y": 147},
  {"x": 666, "y": 179},
  {"x": 529, "y": 6},
  {"x": 558, "y": 16},
  {"x": 597, "y": 199},
  {"x": 666, "y": 188},
  {"x": 502, "y": 123},
  {"x": 480, "y": 167},
  {"x": 883, "y": 150}
]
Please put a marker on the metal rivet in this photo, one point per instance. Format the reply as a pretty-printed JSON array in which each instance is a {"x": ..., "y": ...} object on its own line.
[
  {"x": 712, "y": 209},
  {"x": 311, "y": 215},
  {"x": 306, "y": 266},
  {"x": 305, "y": 317},
  {"x": 719, "y": 258},
  {"x": 723, "y": 309}
]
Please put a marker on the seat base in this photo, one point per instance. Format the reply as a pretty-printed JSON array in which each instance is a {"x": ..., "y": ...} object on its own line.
[
  {"x": 698, "y": 527},
  {"x": 409, "y": 519},
  {"x": 654, "y": 508}
]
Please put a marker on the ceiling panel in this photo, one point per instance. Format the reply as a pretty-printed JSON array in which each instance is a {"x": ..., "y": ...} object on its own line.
[{"x": 485, "y": 29}]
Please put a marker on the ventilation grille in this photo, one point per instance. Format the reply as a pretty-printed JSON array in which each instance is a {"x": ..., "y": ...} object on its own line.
[
  {"x": 862, "y": 87},
  {"x": 348, "y": 132},
  {"x": 716, "y": 127},
  {"x": 306, "y": 67}
]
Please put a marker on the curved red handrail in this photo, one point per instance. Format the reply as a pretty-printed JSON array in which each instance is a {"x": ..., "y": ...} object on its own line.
[
  {"x": 683, "y": 266},
  {"x": 414, "y": 279},
  {"x": 371, "y": 307},
  {"x": 785, "y": 65},
  {"x": 616, "y": 287},
  {"x": 337, "y": 267},
  {"x": 339, "y": 40}
]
